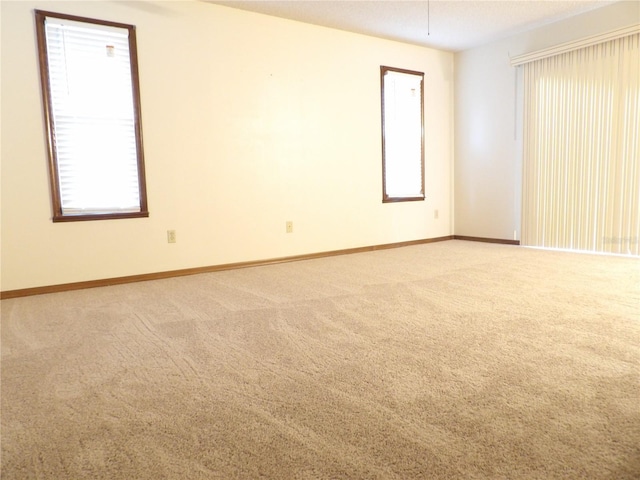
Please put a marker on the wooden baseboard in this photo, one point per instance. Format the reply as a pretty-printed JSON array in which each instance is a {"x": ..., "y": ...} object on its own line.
[
  {"x": 487, "y": 240},
  {"x": 25, "y": 292}
]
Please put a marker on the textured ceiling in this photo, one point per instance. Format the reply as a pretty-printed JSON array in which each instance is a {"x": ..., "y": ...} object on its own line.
[{"x": 444, "y": 24}]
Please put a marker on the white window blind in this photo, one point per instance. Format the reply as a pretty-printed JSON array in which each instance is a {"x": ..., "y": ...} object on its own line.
[
  {"x": 581, "y": 177},
  {"x": 402, "y": 134},
  {"x": 93, "y": 116}
]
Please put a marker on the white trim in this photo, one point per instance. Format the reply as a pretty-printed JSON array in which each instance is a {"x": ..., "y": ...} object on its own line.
[{"x": 574, "y": 45}]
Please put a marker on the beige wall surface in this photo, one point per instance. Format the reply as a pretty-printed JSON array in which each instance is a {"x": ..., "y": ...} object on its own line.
[
  {"x": 488, "y": 120},
  {"x": 248, "y": 121}
]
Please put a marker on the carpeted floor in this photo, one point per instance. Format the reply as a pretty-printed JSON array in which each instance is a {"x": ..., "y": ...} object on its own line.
[{"x": 452, "y": 360}]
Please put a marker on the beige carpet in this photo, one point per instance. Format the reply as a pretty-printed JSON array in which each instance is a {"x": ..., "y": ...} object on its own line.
[{"x": 453, "y": 360}]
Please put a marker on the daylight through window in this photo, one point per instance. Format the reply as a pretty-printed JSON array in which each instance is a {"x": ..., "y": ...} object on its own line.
[
  {"x": 402, "y": 135},
  {"x": 91, "y": 100}
]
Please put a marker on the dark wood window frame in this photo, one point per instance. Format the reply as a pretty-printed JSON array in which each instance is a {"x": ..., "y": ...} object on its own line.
[
  {"x": 58, "y": 214},
  {"x": 386, "y": 198}
]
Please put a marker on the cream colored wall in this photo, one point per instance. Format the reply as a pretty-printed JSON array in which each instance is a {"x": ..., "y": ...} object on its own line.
[
  {"x": 488, "y": 120},
  {"x": 248, "y": 121}
]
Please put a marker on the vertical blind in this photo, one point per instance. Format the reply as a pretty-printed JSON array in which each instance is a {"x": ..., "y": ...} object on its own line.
[
  {"x": 581, "y": 173},
  {"x": 93, "y": 115}
]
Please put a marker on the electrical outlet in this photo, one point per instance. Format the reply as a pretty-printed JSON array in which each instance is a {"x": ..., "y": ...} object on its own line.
[
  {"x": 289, "y": 227},
  {"x": 171, "y": 236},
  {"x": 436, "y": 214}
]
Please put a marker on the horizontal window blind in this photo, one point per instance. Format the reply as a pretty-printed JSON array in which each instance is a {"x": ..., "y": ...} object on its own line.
[
  {"x": 93, "y": 117},
  {"x": 581, "y": 176}
]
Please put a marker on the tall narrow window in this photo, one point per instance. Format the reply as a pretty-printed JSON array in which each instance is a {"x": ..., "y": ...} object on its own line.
[
  {"x": 89, "y": 77},
  {"x": 402, "y": 135}
]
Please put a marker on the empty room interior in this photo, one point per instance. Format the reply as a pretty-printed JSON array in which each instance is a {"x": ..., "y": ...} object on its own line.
[{"x": 320, "y": 239}]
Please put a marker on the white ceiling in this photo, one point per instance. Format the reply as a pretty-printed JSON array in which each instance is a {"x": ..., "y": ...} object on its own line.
[{"x": 445, "y": 24}]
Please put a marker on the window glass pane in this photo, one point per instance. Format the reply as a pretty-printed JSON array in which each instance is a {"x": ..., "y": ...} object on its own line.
[
  {"x": 402, "y": 134},
  {"x": 94, "y": 135}
]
